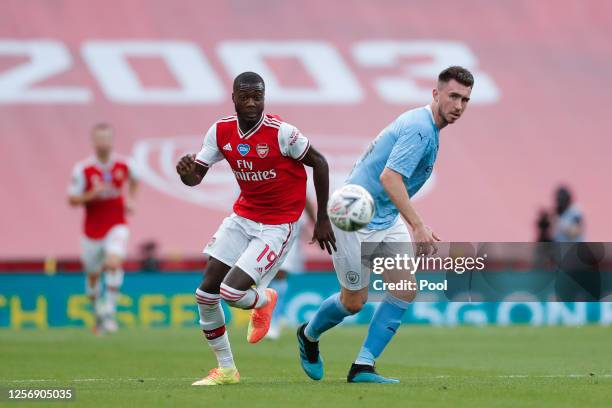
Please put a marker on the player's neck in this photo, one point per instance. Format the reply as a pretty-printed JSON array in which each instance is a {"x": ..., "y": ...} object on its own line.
[
  {"x": 247, "y": 125},
  {"x": 438, "y": 119},
  {"x": 104, "y": 159}
]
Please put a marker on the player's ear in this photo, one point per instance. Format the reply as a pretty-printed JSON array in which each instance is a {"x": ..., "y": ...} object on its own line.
[
  {"x": 435, "y": 94},
  {"x": 233, "y": 98}
]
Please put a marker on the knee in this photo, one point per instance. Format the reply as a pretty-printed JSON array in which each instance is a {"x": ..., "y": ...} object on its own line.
[
  {"x": 206, "y": 299},
  {"x": 93, "y": 278},
  {"x": 113, "y": 280},
  {"x": 353, "y": 303},
  {"x": 229, "y": 294},
  {"x": 404, "y": 295},
  {"x": 210, "y": 285},
  {"x": 112, "y": 264}
]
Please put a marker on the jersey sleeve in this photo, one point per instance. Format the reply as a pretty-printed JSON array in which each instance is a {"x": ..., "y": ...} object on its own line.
[
  {"x": 408, "y": 151},
  {"x": 77, "y": 182},
  {"x": 292, "y": 142},
  {"x": 133, "y": 171},
  {"x": 209, "y": 154}
]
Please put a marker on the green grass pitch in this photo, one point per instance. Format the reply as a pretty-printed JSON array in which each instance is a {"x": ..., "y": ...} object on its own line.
[{"x": 454, "y": 367}]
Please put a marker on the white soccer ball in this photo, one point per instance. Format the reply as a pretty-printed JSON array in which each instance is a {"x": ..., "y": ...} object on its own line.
[{"x": 350, "y": 207}]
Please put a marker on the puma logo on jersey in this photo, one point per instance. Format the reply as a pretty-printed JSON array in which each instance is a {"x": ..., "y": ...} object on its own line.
[{"x": 228, "y": 147}]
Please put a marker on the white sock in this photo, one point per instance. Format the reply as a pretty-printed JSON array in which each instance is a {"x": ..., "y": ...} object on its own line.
[
  {"x": 223, "y": 351},
  {"x": 212, "y": 322},
  {"x": 243, "y": 299},
  {"x": 113, "y": 281},
  {"x": 112, "y": 294},
  {"x": 93, "y": 293}
]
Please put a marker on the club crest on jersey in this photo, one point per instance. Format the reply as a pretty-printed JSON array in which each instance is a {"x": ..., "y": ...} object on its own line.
[
  {"x": 118, "y": 174},
  {"x": 244, "y": 149},
  {"x": 262, "y": 150}
]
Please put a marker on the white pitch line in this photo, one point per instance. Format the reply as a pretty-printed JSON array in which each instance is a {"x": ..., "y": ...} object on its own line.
[
  {"x": 99, "y": 379},
  {"x": 508, "y": 376}
]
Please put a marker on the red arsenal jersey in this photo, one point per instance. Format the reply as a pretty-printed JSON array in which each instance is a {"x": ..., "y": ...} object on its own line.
[
  {"x": 265, "y": 161},
  {"x": 108, "y": 210}
]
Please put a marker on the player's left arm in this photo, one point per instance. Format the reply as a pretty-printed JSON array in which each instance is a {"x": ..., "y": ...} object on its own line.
[
  {"x": 310, "y": 211},
  {"x": 323, "y": 232},
  {"x": 131, "y": 195},
  {"x": 295, "y": 145},
  {"x": 133, "y": 185}
]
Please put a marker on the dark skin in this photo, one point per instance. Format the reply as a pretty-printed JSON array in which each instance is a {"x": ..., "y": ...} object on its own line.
[{"x": 249, "y": 104}]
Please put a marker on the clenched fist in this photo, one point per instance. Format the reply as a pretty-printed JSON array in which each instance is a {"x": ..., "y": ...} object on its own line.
[{"x": 186, "y": 165}]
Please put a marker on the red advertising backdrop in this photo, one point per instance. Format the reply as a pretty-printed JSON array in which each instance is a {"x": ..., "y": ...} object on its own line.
[{"x": 160, "y": 73}]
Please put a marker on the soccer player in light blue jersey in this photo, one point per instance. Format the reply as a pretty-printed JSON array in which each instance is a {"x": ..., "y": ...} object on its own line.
[{"x": 395, "y": 166}]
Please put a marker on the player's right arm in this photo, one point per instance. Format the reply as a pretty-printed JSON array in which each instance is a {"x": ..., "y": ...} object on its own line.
[
  {"x": 191, "y": 173},
  {"x": 76, "y": 190},
  {"x": 393, "y": 184},
  {"x": 193, "y": 167},
  {"x": 403, "y": 160},
  {"x": 82, "y": 199}
]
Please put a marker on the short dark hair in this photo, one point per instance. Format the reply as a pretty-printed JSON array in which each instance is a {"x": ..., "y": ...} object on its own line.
[
  {"x": 101, "y": 126},
  {"x": 248, "y": 78},
  {"x": 459, "y": 74}
]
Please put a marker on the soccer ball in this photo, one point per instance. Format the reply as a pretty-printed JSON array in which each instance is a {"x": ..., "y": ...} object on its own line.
[{"x": 350, "y": 207}]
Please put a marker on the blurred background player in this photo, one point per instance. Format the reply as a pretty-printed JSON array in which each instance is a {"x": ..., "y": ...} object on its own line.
[
  {"x": 98, "y": 184},
  {"x": 393, "y": 169},
  {"x": 293, "y": 264},
  {"x": 267, "y": 157},
  {"x": 568, "y": 223}
]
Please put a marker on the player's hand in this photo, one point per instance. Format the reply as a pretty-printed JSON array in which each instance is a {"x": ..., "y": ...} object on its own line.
[
  {"x": 324, "y": 235},
  {"x": 186, "y": 165},
  {"x": 97, "y": 191},
  {"x": 425, "y": 239}
]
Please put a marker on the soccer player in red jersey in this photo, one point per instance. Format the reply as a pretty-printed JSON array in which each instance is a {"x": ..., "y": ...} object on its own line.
[
  {"x": 98, "y": 184},
  {"x": 267, "y": 156}
]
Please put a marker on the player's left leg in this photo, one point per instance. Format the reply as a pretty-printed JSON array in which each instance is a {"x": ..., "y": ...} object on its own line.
[
  {"x": 292, "y": 264},
  {"x": 388, "y": 315},
  {"x": 115, "y": 248},
  {"x": 246, "y": 284},
  {"x": 280, "y": 285}
]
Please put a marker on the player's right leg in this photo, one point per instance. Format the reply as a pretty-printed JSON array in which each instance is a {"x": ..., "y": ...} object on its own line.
[
  {"x": 212, "y": 322},
  {"x": 334, "y": 309},
  {"x": 388, "y": 316},
  {"x": 224, "y": 249},
  {"x": 92, "y": 259},
  {"x": 115, "y": 249}
]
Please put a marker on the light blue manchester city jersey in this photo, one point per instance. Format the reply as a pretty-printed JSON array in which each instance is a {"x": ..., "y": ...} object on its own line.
[{"x": 409, "y": 146}]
